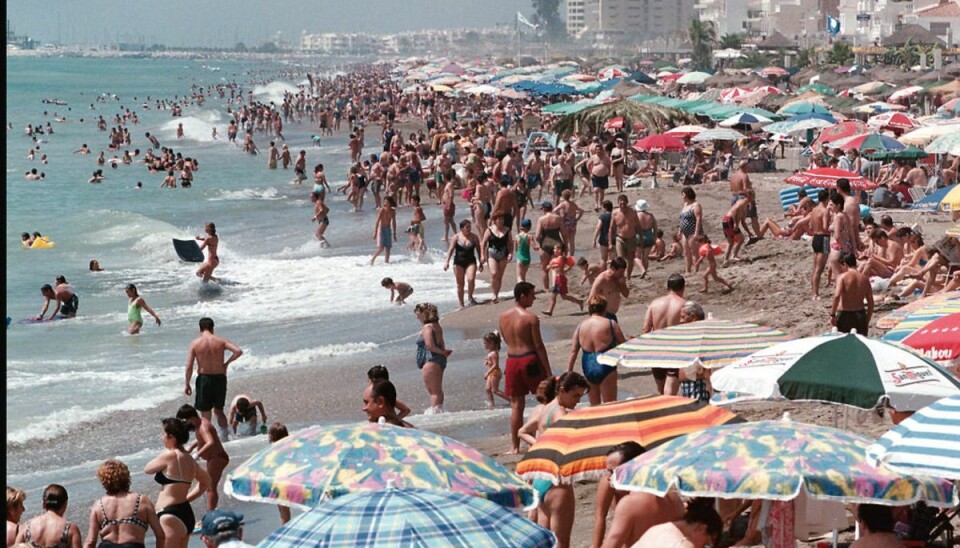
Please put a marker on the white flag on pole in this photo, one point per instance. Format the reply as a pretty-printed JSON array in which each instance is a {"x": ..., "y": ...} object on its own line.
[{"x": 525, "y": 21}]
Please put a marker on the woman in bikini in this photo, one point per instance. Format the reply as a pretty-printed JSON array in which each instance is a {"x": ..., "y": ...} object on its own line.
[
  {"x": 465, "y": 252},
  {"x": 497, "y": 246},
  {"x": 594, "y": 336},
  {"x": 50, "y": 529},
  {"x": 137, "y": 511},
  {"x": 175, "y": 470},
  {"x": 691, "y": 224},
  {"x": 557, "y": 503},
  {"x": 211, "y": 241}
]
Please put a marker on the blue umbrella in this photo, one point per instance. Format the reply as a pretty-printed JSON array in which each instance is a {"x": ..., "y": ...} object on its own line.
[
  {"x": 926, "y": 443},
  {"x": 931, "y": 202},
  {"x": 803, "y": 108},
  {"x": 408, "y": 517}
]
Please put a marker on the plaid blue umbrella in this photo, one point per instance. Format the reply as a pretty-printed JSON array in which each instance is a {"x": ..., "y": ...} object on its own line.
[
  {"x": 926, "y": 443},
  {"x": 409, "y": 517}
]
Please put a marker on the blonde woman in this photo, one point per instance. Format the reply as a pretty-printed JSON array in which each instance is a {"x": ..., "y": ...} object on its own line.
[
  {"x": 15, "y": 509},
  {"x": 431, "y": 355}
]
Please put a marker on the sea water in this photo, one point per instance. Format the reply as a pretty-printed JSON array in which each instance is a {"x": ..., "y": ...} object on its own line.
[{"x": 284, "y": 299}]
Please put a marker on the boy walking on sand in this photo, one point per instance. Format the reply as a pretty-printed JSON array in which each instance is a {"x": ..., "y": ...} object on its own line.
[{"x": 559, "y": 266}]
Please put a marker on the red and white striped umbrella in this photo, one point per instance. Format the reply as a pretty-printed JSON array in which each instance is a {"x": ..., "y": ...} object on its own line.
[
  {"x": 902, "y": 93},
  {"x": 774, "y": 71},
  {"x": 893, "y": 120},
  {"x": 611, "y": 74},
  {"x": 841, "y": 130},
  {"x": 827, "y": 177},
  {"x": 734, "y": 94}
]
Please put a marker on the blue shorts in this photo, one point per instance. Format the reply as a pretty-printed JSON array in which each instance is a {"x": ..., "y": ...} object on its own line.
[{"x": 386, "y": 237}]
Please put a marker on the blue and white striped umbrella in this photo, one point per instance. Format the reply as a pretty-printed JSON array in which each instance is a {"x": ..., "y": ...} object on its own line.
[
  {"x": 926, "y": 443},
  {"x": 409, "y": 517},
  {"x": 745, "y": 119}
]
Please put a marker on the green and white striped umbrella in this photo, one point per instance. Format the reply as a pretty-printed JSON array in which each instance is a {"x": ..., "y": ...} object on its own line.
[{"x": 848, "y": 369}]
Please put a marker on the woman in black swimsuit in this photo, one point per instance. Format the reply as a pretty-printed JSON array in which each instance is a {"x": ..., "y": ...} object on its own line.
[
  {"x": 137, "y": 511},
  {"x": 50, "y": 529},
  {"x": 175, "y": 470},
  {"x": 497, "y": 246},
  {"x": 465, "y": 251}
]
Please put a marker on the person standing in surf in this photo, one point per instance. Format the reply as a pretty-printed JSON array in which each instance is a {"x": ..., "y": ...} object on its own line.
[
  {"x": 385, "y": 229},
  {"x": 210, "y": 242},
  {"x": 208, "y": 351},
  {"x": 135, "y": 308}
]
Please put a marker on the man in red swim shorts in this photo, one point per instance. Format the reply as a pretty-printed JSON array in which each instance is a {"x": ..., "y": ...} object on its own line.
[{"x": 527, "y": 362}]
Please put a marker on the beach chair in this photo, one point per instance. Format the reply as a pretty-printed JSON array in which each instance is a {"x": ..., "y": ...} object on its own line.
[
  {"x": 916, "y": 193},
  {"x": 791, "y": 195},
  {"x": 933, "y": 183}
]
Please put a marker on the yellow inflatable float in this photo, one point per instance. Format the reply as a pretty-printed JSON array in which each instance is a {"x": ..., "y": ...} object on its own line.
[{"x": 42, "y": 243}]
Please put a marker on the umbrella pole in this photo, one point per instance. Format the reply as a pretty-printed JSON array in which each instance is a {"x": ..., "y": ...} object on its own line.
[{"x": 835, "y": 416}]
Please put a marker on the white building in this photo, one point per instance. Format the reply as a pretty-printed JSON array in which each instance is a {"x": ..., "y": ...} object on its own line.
[
  {"x": 632, "y": 20},
  {"x": 865, "y": 22},
  {"x": 575, "y": 20},
  {"x": 941, "y": 18},
  {"x": 726, "y": 16}
]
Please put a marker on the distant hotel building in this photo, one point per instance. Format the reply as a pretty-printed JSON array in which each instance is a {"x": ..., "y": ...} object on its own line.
[{"x": 628, "y": 20}]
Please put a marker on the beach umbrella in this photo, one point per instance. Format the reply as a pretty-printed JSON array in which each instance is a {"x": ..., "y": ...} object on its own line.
[
  {"x": 694, "y": 77},
  {"x": 575, "y": 447},
  {"x": 719, "y": 134},
  {"x": 400, "y": 518},
  {"x": 877, "y": 107},
  {"x": 774, "y": 71},
  {"x": 441, "y": 88},
  {"x": 659, "y": 143},
  {"x": 775, "y": 460},
  {"x": 685, "y": 131},
  {"x": 925, "y": 443},
  {"x": 871, "y": 88},
  {"x": 939, "y": 340},
  {"x": 841, "y": 130},
  {"x": 709, "y": 343},
  {"x": 933, "y": 201},
  {"x": 827, "y": 177},
  {"x": 804, "y": 122},
  {"x": 846, "y": 369},
  {"x": 897, "y": 121},
  {"x": 953, "y": 105},
  {"x": 611, "y": 73},
  {"x": 903, "y": 93},
  {"x": 803, "y": 107},
  {"x": 924, "y": 135},
  {"x": 893, "y": 318},
  {"x": 324, "y": 462},
  {"x": 733, "y": 95},
  {"x": 869, "y": 142},
  {"x": 614, "y": 123},
  {"x": 745, "y": 119},
  {"x": 909, "y": 153},
  {"x": 954, "y": 230},
  {"x": 947, "y": 144},
  {"x": 818, "y": 88},
  {"x": 921, "y": 318}
]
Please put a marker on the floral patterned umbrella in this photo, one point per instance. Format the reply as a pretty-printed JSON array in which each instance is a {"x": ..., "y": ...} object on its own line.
[
  {"x": 325, "y": 462},
  {"x": 775, "y": 460}
]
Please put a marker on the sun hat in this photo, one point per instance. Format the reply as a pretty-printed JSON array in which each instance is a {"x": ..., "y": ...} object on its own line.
[{"x": 641, "y": 205}]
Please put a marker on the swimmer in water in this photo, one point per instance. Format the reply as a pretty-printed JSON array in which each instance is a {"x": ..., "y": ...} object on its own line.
[{"x": 135, "y": 308}]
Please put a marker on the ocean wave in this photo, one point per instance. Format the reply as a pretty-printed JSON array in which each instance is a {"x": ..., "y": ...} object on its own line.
[
  {"x": 304, "y": 356},
  {"x": 273, "y": 92},
  {"x": 247, "y": 194},
  {"x": 20, "y": 379},
  {"x": 197, "y": 128}
]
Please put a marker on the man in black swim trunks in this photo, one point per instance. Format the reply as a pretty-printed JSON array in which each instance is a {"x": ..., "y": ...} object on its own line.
[
  {"x": 820, "y": 226},
  {"x": 852, "y": 291},
  {"x": 208, "y": 351},
  {"x": 66, "y": 300}
]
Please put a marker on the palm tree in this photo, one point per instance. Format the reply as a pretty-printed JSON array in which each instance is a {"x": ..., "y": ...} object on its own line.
[
  {"x": 702, "y": 37},
  {"x": 731, "y": 41},
  {"x": 752, "y": 59},
  {"x": 840, "y": 54},
  {"x": 656, "y": 118},
  {"x": 807, "y": 57}
]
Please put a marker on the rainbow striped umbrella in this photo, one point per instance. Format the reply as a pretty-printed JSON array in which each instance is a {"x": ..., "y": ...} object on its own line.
[
  {"x": 920, "y": 317},
  {"x": 575, "y": 447},
  {"x": 711, "y": 343},
  {"x": 897, "y": 316}
]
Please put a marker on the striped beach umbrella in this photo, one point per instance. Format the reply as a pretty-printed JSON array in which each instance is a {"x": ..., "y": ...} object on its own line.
[
  {"x": 893, "y": 120},
  {"x": 711, "y": 343},
  {"x": 939, "y": 340},
  {"x": 745, "y": 119},
  {"x": 927, "y": 442},
  {"x": 841, "y": 130},
  {"x": 575, "y": 447},
  {"x": 847, "y": 369},
  {"x": 921, "y": 317},
  {"x": 827, "y": 177},
  {"x": 400, "y": 518},
  {"x": 897, "y": 316},
  {"x": 320, "y": 463},
  {"x": 869, "y": 142},
  {"x": 775, "y": 460}
]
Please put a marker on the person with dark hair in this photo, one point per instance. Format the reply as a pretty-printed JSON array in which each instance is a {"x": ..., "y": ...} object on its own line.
[
  {"x": 852, "y": 291},
  {"x": 175, "y": 470},
  {"x": 622, "y": 236},
  {"x": 876, "y": 527},
  {"x": 208, "y": 351},
  {"x": 851, "y": 208},
  {"x": 380, "y": 373},
  {"x": 527, "y": 362},
  {"x": 134, "y": 308},
  {"x": 611, "y": 284},
  {"x": 380, "y": 403},
  {"x": 557, "y": 503},
  {"x": 243, "y": 415},
  {"x": 208, "y": 447},
  {"x": 691, "y": 224},
  {"x": 465, "y": 251},
  {"x": 550, "y": 233},
  {"x": 601, "y": 234},
  {"x": 133, "y": 513},
  {"x": 596, "y": 335},
  {"x": 663, "y": 312},
  {"x": 701, "y": 525},
  {"x": 385, "y": 229},
  {"x": 607, "y": 496},
  {"x": 95, "y": 266},
  {"x": 50, "y": 528},
  {"x": 399, "y": 291},
  {"x": 65, "y": 299},
  {"x": 883, "y": 257}
]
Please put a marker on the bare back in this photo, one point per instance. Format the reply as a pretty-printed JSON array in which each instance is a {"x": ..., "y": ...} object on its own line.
[
  {"x": 521, "y": 330},
  {"x": 663, "y": 312}
]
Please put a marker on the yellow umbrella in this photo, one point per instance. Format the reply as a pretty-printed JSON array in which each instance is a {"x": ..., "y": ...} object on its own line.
[
  {"x": 951, "y": 202},
  {"x": 442, "y": 88},
  {"x": 955, "y": 229}
]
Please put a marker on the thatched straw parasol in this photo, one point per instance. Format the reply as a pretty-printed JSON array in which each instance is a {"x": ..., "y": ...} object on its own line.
[
  {"x": 777, "y": 41},
  {"x": 914, "y": 34},
  {"x": 656, "y": 118}
]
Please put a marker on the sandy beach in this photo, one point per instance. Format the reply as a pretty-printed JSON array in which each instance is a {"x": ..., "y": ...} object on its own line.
[{"x": 772, "y": 288}]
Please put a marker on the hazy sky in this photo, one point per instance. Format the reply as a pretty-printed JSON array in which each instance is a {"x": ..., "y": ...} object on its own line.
[{"x": 225, "y": 22}]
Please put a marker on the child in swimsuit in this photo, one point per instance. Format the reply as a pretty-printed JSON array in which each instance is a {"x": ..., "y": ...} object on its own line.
[
  {"x": 491, "y": 342},
  {"x": 559, "y": 265},
  {"x": 709, "y": 252},
  {"x": 523, "y": 250}
]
